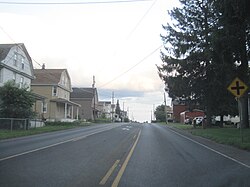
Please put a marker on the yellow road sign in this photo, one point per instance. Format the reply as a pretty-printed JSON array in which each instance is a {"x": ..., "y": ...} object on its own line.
[{"x": 237, "y": 87}]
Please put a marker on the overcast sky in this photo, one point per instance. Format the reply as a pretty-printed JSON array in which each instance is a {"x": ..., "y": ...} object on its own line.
[{"x": 119, "y": 43}]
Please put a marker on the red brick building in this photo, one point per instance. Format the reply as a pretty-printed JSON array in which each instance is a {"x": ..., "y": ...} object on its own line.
[
  {"x": 177, "y": 109},
  {"x": 191, "y": 114},
  {"x": 180, "y": 106}
]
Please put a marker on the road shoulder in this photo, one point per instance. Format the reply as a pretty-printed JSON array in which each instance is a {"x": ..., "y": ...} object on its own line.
[{"x": 230, "y": 151}]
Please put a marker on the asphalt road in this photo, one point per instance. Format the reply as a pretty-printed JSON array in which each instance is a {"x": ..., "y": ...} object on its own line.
[{"x": 120, "y": 155}]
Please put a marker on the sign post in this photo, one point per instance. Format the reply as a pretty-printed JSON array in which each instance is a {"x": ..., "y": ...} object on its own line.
[{"x": 238, "y": 88}]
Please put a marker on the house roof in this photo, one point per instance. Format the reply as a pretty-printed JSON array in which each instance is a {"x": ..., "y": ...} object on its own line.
[
  {"x": 83, "y": 93},
  {"x": 5, "y": 48},
  {"x": 47, "y": 76},
  {"x": 61, "y": 100}
]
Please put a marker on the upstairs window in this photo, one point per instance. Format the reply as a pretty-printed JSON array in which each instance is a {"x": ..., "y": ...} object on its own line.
[
  {"x": 54, "y": 91},
  {"x": 22, "y": 62},
  {"x": 15, "y": 59}
]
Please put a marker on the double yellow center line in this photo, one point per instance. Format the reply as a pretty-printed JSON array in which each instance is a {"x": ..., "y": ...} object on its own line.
[{"x": 124, "y": 165}]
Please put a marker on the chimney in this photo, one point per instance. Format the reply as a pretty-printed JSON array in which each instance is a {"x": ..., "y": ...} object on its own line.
[{"x": 43, "y": 66}]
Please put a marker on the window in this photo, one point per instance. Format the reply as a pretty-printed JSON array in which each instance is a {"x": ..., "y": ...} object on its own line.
[
  {"x": 22, "y": 63},
  {"x": 15, "y": 59},
  {"x": 54, "y": 91},
  {"x": 44, "y": 108}
]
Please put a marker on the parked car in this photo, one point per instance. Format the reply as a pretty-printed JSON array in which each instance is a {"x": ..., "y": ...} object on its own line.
[
  {"x": 198, "y": 120},
  {"x": 188, "y": 121}
]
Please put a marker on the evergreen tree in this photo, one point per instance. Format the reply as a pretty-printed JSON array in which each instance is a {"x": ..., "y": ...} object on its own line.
[
  {"x": 196, "y": 65},
  {"x": 118, "y": 109},
  {"x": 235, "y": 21}
]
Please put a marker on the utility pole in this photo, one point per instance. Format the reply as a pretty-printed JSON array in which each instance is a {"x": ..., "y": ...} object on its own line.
[
  {"x": 128, "y": 113},
  {"x": 123, "y": 112},
  {"x": 93, "y": 86},
  {"x": 153, "y": 116},
  {"x": 166, "y": 112},
  {"x": 112, "y": 107}
]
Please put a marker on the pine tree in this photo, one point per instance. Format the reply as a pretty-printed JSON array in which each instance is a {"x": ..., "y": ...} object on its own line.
[
  {"x": 195, "y": 64},
  {"x": 118, "y": 109}
]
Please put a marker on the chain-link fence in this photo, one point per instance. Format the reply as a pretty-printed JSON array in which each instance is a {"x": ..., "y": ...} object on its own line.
[
  {"x": 18, "y": 123},
  {"x": 13, "y": 123}
]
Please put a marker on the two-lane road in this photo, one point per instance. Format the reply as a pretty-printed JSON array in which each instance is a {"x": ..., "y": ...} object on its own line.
[{"x": 117, "y": 155}]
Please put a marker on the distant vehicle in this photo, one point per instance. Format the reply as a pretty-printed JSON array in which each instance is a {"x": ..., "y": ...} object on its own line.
[{"x": 188, "y": 121}]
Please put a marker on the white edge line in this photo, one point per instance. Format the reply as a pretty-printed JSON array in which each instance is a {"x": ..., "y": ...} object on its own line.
[
  {"x": 211, "y": 149},
  {"x": 52, "y": 145}
]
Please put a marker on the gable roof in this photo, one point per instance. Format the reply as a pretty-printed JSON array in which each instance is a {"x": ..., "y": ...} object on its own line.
[
  {"x": 5, "y": 48},
  {"x": 83, "y": 93},
  {"x": 47, "y": 76}
]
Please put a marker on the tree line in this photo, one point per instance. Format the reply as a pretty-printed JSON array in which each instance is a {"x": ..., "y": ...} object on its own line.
[{"x": 207, "y": 45}]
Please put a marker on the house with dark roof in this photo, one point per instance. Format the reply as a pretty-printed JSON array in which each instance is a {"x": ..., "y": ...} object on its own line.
[
  {"x": 15, "y": 64},
  {"x": 55, "y": 85},
  {"x": 88, "y": 99}
]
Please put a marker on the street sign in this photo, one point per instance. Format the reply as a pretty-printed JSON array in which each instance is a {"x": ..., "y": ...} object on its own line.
[{"x": 237, "y": 87}]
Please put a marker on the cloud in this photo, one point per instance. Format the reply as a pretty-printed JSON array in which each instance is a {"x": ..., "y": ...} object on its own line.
[
  {"x": 94, "y": 40},
  {"x": 119, "y": 94}
]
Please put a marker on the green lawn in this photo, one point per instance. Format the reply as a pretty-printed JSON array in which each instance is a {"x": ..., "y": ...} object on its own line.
[
  {"x": 180, "y": 126},
  {"x": 229, "y": 136},
  {"x": 4, "y": 134}
]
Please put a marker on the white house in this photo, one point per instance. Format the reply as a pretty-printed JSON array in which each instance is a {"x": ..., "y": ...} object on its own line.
[
  {"x": 15, "y": 64},
  {"x": 105, "y": 109}
]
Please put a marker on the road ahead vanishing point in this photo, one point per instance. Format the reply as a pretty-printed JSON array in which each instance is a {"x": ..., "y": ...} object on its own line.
[{"x": 131, "y": 155}]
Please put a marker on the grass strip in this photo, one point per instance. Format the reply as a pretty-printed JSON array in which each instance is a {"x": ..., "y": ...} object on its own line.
[
  {"x": 5, "y": 134},
  {"x": 228, "y": 135}
]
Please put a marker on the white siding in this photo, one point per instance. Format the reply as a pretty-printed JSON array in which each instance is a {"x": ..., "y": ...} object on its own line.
[
  {"x": 65, "y": 81},
  {"x": 17, "y": 60},
  {"x": 7, "y": 75}
]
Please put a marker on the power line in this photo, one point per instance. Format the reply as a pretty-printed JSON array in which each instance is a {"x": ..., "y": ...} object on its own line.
[
  {"x": 72, "y": 3},
  {"x": 18, "y": 45},
  {"x": 132, "y": 66},
  {"x": 6, "y": 33},
  {"x": 139, "y": 22}
]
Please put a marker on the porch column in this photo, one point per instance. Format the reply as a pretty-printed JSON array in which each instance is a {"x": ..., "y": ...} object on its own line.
[
  {"x": 77, "y": 112},
  {"x": 65, "y": 111}
]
